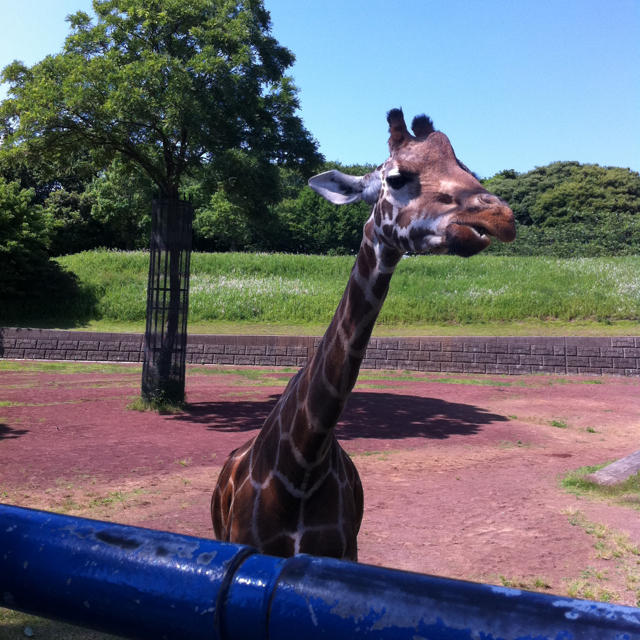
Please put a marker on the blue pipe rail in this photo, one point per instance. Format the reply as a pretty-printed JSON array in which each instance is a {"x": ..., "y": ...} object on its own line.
[{"x": 140, "y": 583}]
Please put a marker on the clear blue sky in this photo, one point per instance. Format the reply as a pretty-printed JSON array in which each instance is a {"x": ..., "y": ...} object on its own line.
[{"x": 513, "y": 83}]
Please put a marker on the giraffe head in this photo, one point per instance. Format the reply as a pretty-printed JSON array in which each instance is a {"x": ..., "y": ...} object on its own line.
[{"x": 425, "y": 200}]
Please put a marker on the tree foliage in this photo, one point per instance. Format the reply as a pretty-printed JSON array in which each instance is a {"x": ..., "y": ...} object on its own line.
[
  {"x": 566, "y": 192},
  {"x": 23, "y": 239},
  {"x": 110, "y": 211},
  {"x": 192, "y": 96},
  {"x": 164, "y": 95},
  {"x": 119, "y": 201},
  {"x": 28, "y": 278},
  {"x": 163, "y": 85},
  {"x": 570, "y": 209},
  {"x": 313, "y": 225}
]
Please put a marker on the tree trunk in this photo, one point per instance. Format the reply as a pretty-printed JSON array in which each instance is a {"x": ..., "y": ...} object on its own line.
[{"x": 165, "y": 340}]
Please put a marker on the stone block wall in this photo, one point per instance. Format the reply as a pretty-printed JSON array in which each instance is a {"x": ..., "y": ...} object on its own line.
[{"x": 489, "y": 355}]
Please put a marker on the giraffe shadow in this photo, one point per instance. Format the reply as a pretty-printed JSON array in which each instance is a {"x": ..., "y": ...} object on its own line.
[{"x": 367, "y": 415}]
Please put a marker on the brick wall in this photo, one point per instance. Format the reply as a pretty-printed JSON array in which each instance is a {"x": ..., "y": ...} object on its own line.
[{"x": 617, "y": 356}]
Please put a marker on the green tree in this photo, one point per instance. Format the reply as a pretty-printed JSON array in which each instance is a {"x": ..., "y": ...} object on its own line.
[
  {"x": 23, "y": 240},
  {"x": 164, "y": 86},
  {"x": 566, "y": 192},
  {"x": 29, "y": 280},
  {"x": 71, "y": 228},
  {"x": 119, "y": 200},
  {"x": 570, "y": 209},
  {"x": 314, "y": 225},
  {"x": 308, "y": 223},
  {"x": 221, "y": 225}
]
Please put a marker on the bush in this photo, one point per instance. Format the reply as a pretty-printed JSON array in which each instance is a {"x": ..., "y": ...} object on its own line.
[
  {"x": 29, "y": 280},
  {"x": 313, "y": 225},
  {"x": 23, "y": 240},
  {"x": 221, "y": 226},
  {"x": 567, "y": 209}
]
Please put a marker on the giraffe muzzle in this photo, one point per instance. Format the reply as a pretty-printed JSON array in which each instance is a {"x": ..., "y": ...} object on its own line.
[{"x": 470, "y": 233}]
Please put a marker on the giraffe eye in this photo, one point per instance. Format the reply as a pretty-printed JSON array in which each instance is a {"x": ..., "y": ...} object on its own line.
[{"x": 398, "y": 180}]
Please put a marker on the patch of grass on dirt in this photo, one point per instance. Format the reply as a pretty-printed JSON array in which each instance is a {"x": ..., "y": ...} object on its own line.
[
  {"x": 158, "y": 405},
  {"x": 479, "y": 382},
  {"x": 15, "y": 625},
  {"x": 559, "y": 424},
  {"x": 483, "y": 381},
  {"x": 564, "y": 380},
  {"x": 535, "y": 583},
  {"x": 67, "y": 505},
  {"x": 114, "y": 498},
  {"x": 590, "y": 586},
  {"x": 47, "y": 404},
  {"x": 418, "y": 376},
  {"x": 68, "y": 367},
  {"x": 626, "y": 493},
  {"x": 11, "y": 403},
  {"x": 509, "y": 444},
  {"x": 368, "y": 375},
  {"x": 610, "y": 545},
  {"x": 86, "y": 504},
  {"x": 379, "y": 455},
  {"x": 258, "y": 377}
]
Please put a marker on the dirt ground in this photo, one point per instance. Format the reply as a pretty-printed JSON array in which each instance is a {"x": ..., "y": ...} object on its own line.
[{"x": 460, "y": 473}]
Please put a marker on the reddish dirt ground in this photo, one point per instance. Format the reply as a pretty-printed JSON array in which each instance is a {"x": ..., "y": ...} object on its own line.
[{"x": 460, "y": 473}]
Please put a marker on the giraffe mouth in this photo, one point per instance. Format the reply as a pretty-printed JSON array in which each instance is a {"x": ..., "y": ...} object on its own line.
[
  {"x": 470, "y": 233},
  {"x": 466, "y": 240},
  {"x": 466, "y": 237},
  {"x": 480, "y": 230}
]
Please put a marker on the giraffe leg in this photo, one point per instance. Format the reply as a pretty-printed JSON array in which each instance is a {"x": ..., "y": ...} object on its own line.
[{"x": 232, "y": 477}]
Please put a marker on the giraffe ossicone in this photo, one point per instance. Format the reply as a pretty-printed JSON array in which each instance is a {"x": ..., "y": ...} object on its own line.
[{"x": 293, "y": 489}]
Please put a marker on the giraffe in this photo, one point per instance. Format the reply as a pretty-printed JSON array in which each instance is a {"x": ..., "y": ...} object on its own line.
[{"x": 292, "y": 488}]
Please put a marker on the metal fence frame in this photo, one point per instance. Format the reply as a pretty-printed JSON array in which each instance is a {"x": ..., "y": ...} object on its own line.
[
  {"x": 141, "y": 583},
  {"x": 165, "y": 339}
]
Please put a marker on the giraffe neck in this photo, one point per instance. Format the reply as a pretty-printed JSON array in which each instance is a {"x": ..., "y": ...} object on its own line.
[
  {"x": 334, "y": 368},
  {"x": 298, "y": 434}
]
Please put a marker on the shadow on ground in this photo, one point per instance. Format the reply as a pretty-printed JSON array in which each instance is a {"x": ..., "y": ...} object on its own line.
[
  {"x": 367, "y": 415},
  {"x": 7, "y": 432},
  {"x": 390, "y": 415}
]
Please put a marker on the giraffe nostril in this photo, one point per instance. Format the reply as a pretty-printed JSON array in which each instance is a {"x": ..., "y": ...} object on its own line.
[{"x": 489, "y": 199}]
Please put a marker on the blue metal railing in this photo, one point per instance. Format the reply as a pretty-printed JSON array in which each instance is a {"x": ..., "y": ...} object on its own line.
[{"x": 140, "y": 583}]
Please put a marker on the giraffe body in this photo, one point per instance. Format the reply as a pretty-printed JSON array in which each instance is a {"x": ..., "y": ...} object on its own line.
[{"x": 292, "y": 488}]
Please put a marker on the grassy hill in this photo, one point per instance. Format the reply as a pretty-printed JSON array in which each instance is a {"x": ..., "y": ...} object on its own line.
[{"x": 280, "y": 293}]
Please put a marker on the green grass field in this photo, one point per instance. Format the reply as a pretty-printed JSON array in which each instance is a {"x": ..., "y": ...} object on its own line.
[{"x": 278, "y": 293}]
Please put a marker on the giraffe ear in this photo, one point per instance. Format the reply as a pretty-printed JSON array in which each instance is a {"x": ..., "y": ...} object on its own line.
[{"x": 340, "y": 188}]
